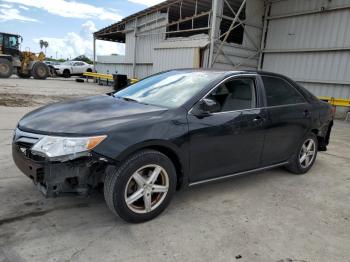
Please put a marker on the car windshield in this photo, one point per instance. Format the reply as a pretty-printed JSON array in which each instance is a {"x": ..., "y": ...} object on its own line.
[{"x": 170, "y": 89}]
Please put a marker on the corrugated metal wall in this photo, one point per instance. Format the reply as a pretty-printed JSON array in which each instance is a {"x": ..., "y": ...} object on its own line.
[
  {"x": 142, "y": 71},
  {"x": 148, "y": 37},
  {"x": 313, "y": 49},
  {"x": 174, "y": 58},
  {"x": 112, "y": 64}
]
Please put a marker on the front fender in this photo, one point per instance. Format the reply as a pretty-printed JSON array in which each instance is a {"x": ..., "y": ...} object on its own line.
[{"x": 152, "y": 143}]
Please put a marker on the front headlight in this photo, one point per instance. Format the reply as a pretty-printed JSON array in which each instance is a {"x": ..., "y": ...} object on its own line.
[{"x": 65, "y": 148}]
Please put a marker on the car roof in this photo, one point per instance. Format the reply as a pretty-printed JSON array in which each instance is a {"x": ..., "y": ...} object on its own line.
[{"x": 230, "y": 72}]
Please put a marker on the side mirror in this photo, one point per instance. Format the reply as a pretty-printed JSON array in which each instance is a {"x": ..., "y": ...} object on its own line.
[{"x": 206, "y": 106}]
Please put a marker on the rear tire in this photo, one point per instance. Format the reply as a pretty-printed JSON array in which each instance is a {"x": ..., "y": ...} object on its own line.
[
  {"x": 129, "y": 191},
  {"x": 305, "y": 155},
  {"x": 40, "y": 71},
  {"x": 6, "y": 68}
]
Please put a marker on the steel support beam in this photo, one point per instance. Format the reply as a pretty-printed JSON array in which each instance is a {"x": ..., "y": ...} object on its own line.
[
  {"x": 94, "y": 53},
  {"x": 228, "y": 32},
  {"x": 213, "y": 31},
  {"x": 135, "y": 46},
  {"x": 264, "y": 35},
  {"x": 306, "y": 50}
]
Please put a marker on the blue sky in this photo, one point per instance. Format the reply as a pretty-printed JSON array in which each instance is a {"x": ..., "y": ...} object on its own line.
[{"x": 67, "y": 25}]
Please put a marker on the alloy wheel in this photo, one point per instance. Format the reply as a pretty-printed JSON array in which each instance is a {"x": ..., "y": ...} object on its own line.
[
  {"x": 307, "y": 153},
  {"x": 146, "y": 189}
]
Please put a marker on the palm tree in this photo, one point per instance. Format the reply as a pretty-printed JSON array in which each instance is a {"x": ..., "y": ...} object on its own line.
[
  {"x": 46, "y": 45},
  {"x": 41, "y": 43}
]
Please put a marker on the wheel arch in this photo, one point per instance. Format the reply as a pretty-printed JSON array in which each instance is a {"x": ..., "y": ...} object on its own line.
[
  {"x": 165, "y": 147},
  {"x": 323, "y": 135}
]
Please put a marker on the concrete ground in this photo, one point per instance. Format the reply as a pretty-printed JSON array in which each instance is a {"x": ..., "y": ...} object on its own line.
[{"x": 268, "y": 216}]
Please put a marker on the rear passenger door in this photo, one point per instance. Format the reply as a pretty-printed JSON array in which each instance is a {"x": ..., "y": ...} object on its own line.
[{"x": 288, "y": 119}]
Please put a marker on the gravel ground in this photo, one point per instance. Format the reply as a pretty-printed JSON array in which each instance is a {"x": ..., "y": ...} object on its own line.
[
  {"x": 16, "y": 92},
  {"x": 268, "y": 216}
]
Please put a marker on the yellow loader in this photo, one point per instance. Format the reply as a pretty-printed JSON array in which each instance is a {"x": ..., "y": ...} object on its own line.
[{"x": 25, "y": 64}]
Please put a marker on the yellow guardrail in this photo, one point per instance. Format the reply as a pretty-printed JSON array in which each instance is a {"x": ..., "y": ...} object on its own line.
[
  {"x": 106, "y": 76},
  {"x": 335, "y": 101},
  {"x": 98, "y": 75}
]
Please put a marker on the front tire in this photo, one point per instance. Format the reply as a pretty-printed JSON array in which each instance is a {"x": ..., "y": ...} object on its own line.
[
  {"x": 24, "y": 75},
  {"x": 142, "y": 187},
  {"x": 66, "y": 73},
  {"x": 305, "y": 155},
  {"x": 6, "y": 68},
  {"x": 40, "y": 71}
]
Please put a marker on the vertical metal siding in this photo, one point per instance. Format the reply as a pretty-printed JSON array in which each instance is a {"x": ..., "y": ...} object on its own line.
[
  {"x": 329, "y": 70},
  {"x": 293, "y": 6},
  {"x": 174, "y": 58},
  {"x": 332, "y": 90},
  {"x": 110, "y": 68}
]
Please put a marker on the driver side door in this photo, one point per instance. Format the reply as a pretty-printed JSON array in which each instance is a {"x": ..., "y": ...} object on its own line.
[
  {"x": 77, "y": 68},
  {"x": 229, "y": 140}
]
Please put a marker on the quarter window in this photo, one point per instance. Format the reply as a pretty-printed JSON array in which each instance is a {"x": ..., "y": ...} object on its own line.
[
  {"x": 237, "y": 94},
  {"x": 280, "y": 92}
]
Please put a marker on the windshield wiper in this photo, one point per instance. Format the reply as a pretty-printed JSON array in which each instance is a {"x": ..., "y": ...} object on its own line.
[
  {"x": 126, "y": 98},
  {"x": 129, "y": 99}
]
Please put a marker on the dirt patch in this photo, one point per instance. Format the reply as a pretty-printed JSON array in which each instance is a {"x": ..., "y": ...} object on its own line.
[{"x": 27, "y": 100}]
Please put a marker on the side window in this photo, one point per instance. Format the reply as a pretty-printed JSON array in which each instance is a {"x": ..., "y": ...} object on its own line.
[
  {"x": 237, "y": 94},
  {"x": 280, "y": 92}
]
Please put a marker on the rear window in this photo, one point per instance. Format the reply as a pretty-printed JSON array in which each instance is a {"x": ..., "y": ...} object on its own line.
[
  {"x": 307, "y": 93},
  {"x": 280, "y": 92}
]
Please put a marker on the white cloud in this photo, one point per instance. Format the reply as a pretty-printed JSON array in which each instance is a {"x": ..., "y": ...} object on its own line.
[
  {"x": 73, "y": 44},
  {"x": 23, "y": 7},
  {"x": 5, "y": 6},
  {"x": 71, "y": 9},
  {"x": 146, "y": 3},
  {"x": 14, "y": 14}
]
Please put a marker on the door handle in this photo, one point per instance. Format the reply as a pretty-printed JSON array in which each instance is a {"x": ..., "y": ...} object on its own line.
[
  {"x": 307, "y": 113},
  {"x": 258, "y": 119}
]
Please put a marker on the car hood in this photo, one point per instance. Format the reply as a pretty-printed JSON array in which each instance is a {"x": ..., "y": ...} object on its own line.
[{"x": 91, "y": 115}]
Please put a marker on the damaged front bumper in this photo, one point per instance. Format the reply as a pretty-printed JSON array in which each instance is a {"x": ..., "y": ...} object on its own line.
[{"x": 55, "y": 178}]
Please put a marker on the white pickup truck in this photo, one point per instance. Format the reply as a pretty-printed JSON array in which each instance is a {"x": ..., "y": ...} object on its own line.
[{"x": 70, "y": 68}]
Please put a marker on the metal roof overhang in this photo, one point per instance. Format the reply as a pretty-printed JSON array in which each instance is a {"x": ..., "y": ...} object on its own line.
[{"x": 116, "y": 33}]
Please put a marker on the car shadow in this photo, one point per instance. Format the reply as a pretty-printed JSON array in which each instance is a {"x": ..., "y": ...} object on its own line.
[{"x": 93, "y": 208}]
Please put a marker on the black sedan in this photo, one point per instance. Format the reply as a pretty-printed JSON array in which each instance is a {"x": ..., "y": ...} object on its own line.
[{"x": 174, "y": 129}]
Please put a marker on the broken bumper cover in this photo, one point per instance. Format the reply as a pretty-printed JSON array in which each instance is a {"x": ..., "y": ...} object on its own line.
[{"x": 54, "y": 178}]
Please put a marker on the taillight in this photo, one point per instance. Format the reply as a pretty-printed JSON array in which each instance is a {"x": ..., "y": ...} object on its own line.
[{"x": 333, "y": 110}]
